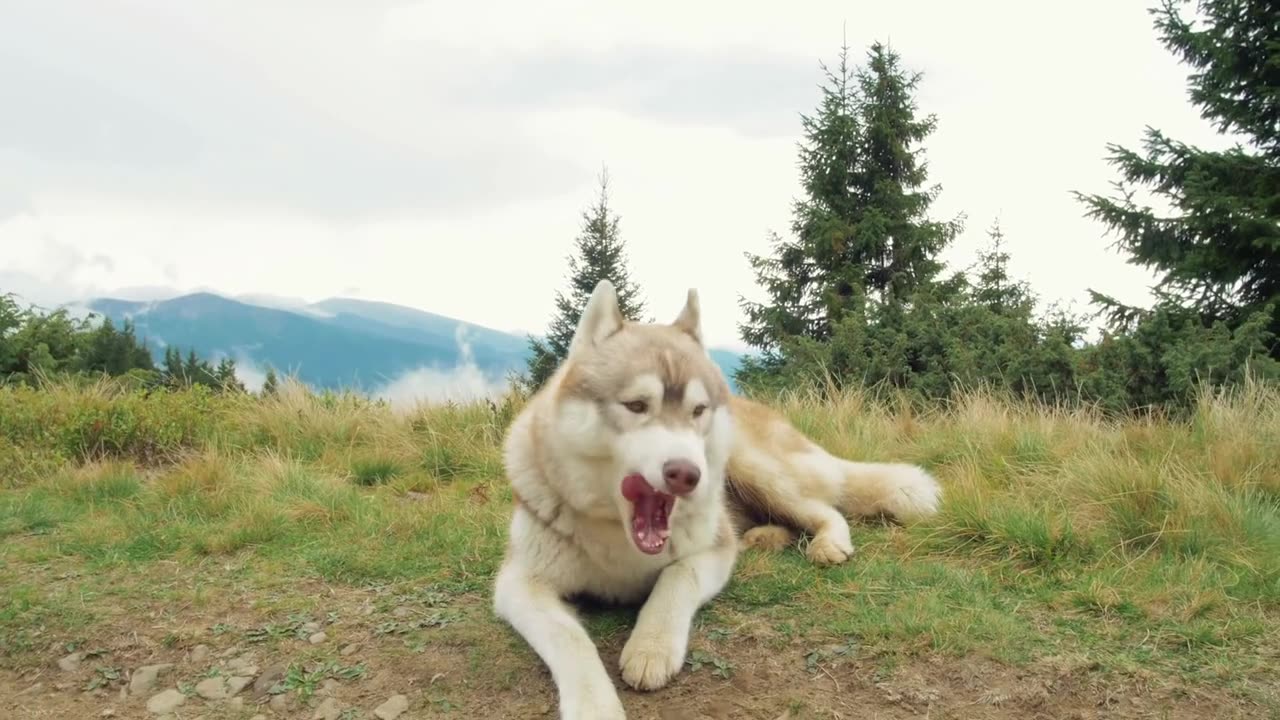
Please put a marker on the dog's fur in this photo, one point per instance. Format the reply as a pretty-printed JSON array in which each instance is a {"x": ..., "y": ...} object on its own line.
[{"x": 568, "y": 451}]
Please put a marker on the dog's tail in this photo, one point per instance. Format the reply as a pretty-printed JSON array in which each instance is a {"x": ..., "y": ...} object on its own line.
[
  {"x": 777, "y": 474},
  {"x": 906, "y": 493}
]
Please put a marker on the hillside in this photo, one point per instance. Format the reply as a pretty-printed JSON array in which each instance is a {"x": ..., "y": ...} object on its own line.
[
  {"x": 313, "y": 557},
  {"x": 334, "y": 343}
]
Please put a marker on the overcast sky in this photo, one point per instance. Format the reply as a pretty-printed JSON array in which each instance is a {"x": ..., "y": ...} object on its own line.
[{"x": 439, "y": 154}]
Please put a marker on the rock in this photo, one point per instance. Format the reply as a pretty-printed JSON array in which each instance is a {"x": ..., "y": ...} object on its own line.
[
  {"x": 247, "y": 671},
  {"x": 229, "y": 651},
  {"x": 71, "y": 663},
  {"x": 258, "y": 717},
  {"x": 392, "y": 708},
  {"x": 311, "y": 627},
  {"x": 329, "y": 687},
  {"x": 199, "y": 653},
  {"x": 144, "y": 678},
  {"x": 109, "y": 712},
  {"x": 281, "y": 703},
  {"x": 318, "y": 638},
  {"x": 236, "y": 683},
  {"x": 236, "y": 703},
  {"x": 349, "y": 650},
  {"x": 327, "y": 710},
  {"x": 165, "y": 702},
  {"x": 267, "y": 680},
  {"x": 214, "y": 688}
]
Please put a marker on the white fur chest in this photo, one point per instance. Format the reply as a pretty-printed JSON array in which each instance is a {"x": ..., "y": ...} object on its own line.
[{"x": 618, "y": 571}]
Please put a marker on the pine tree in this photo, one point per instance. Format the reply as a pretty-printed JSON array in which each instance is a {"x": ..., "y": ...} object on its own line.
[
  {"x": 601, "y": 254},
  {"x": 993, "y": 287},
  {"x": 800, "y": 271},
  {"x": 271, "y": 385},
  {"x": 895, "y": 229},
  {"x": 1217, "y": 252},
  {"x": 861, "y": 233}
]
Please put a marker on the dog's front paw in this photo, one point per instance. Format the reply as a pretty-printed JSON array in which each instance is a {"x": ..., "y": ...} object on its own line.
[
  {"x": 825, "y": 550},
  {"x": 649, "y": 661}
]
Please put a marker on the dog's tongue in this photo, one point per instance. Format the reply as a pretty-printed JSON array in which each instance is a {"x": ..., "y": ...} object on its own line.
[{"x": 650, "y": 510}]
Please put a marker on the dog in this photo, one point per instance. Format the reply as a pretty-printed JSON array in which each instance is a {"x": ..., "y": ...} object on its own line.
[{"x": 637, "y": 478}]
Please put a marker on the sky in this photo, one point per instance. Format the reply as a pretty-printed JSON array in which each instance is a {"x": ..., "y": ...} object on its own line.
[{"x": 440, "y": 154}]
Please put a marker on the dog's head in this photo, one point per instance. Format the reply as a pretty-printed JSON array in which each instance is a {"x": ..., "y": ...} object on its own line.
[{"x": 645, "y": 403}]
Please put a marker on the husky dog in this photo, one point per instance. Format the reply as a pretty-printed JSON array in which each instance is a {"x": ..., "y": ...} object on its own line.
[{"x": 635, "y": 473}]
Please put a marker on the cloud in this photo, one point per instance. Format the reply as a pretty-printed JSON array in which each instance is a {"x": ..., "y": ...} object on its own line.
[
  {"x": 755, "y": 92},
  {"x": 249, "y": 372},
  {"x": 148, "y": 107},
  {"x": 463, "y": 383}
]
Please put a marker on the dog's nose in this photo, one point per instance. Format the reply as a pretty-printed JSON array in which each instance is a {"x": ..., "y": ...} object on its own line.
[{"x": 682, "y": 476}]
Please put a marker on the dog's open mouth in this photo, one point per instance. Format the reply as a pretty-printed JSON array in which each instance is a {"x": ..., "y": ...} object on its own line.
[{"x": 650, "y": 510}]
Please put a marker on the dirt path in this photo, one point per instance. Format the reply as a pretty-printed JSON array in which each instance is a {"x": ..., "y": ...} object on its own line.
[{"x": 361, "y": 651}]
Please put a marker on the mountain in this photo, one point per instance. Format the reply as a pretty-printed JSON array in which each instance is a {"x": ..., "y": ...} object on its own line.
[{"x": 334, "y": 343}]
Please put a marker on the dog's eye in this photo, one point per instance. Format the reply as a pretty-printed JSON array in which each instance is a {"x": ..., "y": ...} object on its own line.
[
  {"x": 636, "y": 406},
  {"x": 697, "y": 411}
]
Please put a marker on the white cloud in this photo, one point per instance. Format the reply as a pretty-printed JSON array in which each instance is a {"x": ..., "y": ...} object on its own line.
[
  {"x": 438, "y": 155},
  {"x": 463, "y": 383}
]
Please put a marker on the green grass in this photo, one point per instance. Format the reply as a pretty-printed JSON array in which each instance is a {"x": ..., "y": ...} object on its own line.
[{"x": 1147, "y": 544}]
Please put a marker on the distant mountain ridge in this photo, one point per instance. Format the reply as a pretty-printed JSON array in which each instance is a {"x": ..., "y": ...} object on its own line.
[{"x": 334, "y": 343}]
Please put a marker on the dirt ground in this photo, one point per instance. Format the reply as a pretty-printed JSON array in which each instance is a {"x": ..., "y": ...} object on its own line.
[{"x": 315, "y": 651}]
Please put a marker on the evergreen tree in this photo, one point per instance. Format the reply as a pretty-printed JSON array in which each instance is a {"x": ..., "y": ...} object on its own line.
[
  {"x": 224, "y": 376},
  {"x": 861, "y": 233},
  {"x": 271, "y": 385},
  {"x": 895, "y": 229},
  {"x": 601, "y": 254},
  {"x": 1218, "y": 251}
]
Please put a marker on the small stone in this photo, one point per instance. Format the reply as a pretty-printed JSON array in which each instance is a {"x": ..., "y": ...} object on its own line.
[
  {"x": 214, "y": 688},
  {"x": 280, "y": 703},
  {"x": 329, "y": 687},
  {"x": 236, "y": 683},
  {"x": 267, "y": 680},
  {"x": 349, "y": 650},
  {"x": 392, "y": 708},
  {"x": 401, "y": 612},
  {"x": 144, "y": 678},
  {"x": 109, "y": 712},
  {"x": 247, "y": 671},
  {"x": 199, "y": 653},
  {"x": 165, "y": 702},
  {"x": 71, "y": 663},
  {"x": 311, "y": 627},
  {"x": 229, "y": 651},
  {"x": 240, "y": 662},
  {"x": 327, "y": 710},
  {"x": 318, "y": 638},
  {"x": 258, "y": 717}
]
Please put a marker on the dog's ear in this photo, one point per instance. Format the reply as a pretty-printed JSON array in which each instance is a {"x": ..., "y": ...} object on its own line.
[
  {"x": 690, "y": 318},
  {"x": 600, "y": 318}
]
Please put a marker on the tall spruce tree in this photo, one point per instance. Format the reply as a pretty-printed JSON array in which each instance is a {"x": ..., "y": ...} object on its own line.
[
  {"x": 1217, "y": 252},
  {"x": 895, "y": 228},
  {"x": 601, "y": 254},
  {"x": 862, "y": 232}
]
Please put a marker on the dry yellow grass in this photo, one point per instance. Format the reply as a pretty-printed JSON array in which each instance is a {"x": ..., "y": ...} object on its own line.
[{"x": 1140, "y": 543}]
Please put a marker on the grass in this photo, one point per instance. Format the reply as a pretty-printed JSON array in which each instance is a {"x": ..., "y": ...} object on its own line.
[{"x": 1143, "y": 545}]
